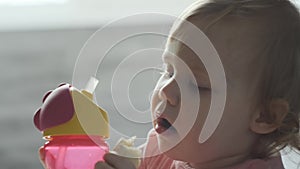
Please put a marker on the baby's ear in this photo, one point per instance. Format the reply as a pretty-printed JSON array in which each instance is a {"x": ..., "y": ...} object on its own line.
[{"x": 270, "y": 117}]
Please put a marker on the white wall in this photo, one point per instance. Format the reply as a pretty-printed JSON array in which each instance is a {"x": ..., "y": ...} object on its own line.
[{"x": 79, "y": 13}]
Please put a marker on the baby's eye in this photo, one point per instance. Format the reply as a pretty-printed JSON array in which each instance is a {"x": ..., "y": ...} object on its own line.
[
  {"x": 167, "y": 74},
  {"x": 201, "y": 88},
  {"x": 167, "y": 71}
]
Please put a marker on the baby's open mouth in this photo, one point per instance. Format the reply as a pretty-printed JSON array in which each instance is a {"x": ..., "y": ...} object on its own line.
[{"x": 161, "y": 125}]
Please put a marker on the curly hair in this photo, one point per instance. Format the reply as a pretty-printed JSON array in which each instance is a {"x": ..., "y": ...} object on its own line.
[{"x": 279, "y": 73}]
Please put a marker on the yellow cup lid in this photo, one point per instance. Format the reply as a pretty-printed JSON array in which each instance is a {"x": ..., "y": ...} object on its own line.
[{"x": 68, "y": 111}]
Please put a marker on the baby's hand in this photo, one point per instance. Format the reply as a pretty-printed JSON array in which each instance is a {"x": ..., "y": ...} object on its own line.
[
  {"x": 125, "y": 156},
  {"x": 114, "y": 161}
]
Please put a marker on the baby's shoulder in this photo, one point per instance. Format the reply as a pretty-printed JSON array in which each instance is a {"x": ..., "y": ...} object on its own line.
[{"x": 270, "y": 163}]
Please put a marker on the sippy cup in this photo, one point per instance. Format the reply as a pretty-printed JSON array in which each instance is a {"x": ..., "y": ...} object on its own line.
[{"x": 74, "y": 126}]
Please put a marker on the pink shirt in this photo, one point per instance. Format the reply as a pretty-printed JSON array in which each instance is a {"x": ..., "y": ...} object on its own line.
[{"x": 161, "y": 161}]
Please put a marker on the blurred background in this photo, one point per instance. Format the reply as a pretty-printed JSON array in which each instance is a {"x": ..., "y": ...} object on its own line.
[{"x": 40, "y": 41}]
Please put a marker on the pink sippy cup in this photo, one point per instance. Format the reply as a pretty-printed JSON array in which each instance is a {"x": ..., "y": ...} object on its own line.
[{"x": 75, "y": 129}]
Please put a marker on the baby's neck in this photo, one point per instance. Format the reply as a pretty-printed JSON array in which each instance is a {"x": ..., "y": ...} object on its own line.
[{"x": 222, "y": 163}]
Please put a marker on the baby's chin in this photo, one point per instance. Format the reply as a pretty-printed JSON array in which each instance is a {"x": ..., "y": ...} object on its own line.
[
  {"x": 172, "y": 152},
  {"x": 168, "y": 139},
  {"x": 182, "y": 150},
  {"x": 178, "y": 146},
  {"x": 166, "y": 149},
  {"x": 169, "y": 143}
]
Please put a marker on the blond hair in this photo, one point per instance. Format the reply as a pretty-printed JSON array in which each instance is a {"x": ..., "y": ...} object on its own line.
[{"x": 279, "y": 76}]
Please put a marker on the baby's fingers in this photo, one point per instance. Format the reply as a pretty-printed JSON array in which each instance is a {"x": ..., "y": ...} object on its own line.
[
  {"x": 118, "y": 162},
  {"x": 102, "y": 165}
]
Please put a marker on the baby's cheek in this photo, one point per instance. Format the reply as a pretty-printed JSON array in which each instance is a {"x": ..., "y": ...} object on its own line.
[{"x": 154, "y": 100}]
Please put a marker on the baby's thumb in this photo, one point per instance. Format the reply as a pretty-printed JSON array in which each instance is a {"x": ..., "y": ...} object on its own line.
[
  {"x": 126, "y": 149},
  {"x": 119, "y": 162}
]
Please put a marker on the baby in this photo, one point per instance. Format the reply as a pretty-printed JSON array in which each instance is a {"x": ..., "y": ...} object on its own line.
[{"x": 258, "y": 42}]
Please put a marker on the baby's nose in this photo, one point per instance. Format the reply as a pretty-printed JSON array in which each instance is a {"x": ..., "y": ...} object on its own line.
[{"x": 170, "y": 92}]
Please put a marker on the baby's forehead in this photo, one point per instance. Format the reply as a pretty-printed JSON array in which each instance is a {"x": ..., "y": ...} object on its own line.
[
  {"x": 238, "y": 46},
  {"x": 178, "y": 50},
  {"x": 238, "y": 41}
]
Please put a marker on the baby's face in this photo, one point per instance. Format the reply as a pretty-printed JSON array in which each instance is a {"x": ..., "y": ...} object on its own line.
[{"x": 185, "y": 74}]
